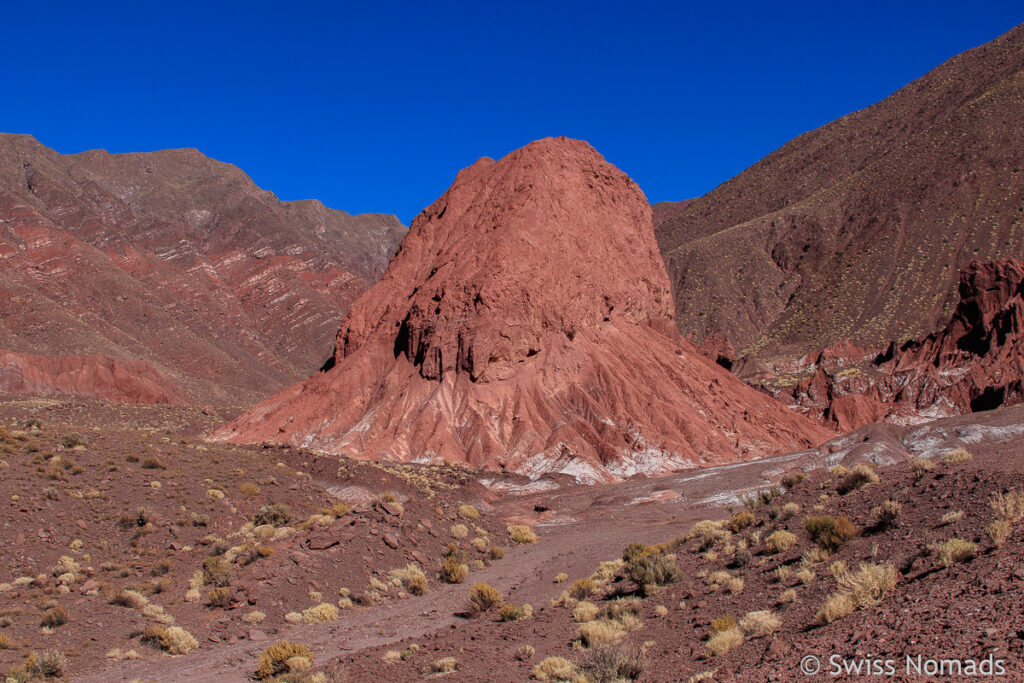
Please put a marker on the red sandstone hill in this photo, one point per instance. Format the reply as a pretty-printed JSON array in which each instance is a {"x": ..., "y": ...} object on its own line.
[
  {"x": 177, "y": 262},
  {"x": 526, "y": 324},
  {"x": 976, "y": 362},
  {"x": 857, "y": 230}
]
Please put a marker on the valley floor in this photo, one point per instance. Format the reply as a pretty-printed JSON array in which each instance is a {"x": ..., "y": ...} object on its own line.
[{"x": 969, "y": 609}]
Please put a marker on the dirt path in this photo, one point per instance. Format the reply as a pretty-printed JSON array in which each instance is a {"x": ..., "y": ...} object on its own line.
[{"x": 586, "y": 525}]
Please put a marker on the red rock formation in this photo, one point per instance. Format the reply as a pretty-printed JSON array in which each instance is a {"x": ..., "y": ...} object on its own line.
[
  {"x": 526, "y": 325},
  {"x": 124, "y": 381},
  {"x": 976, "y": 362},
  {"x": 178, "y": 260}
]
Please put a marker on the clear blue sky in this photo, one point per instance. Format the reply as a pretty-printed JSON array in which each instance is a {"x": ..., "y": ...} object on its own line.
[{"x": 375, "y": 107}]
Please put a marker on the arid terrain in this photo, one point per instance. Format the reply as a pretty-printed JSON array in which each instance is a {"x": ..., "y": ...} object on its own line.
[
  {"x": 548, "y": 433},
  {"x": 174, "y": 265},
  {"x": 858, "y": 230},
  {"x": 92, "y": 538}
]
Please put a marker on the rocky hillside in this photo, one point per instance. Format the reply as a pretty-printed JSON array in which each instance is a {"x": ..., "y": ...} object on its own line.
[
  {"x": 858, "y": 230},
  {"x": 526, "y": 325},
  {"x": 178, "y": 262},
  {"x": 974, "y": 363}
]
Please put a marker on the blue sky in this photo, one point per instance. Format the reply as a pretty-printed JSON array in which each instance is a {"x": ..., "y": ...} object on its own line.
[{"x": 376, "y": 107}]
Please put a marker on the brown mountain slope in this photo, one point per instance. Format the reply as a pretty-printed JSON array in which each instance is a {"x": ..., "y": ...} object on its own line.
[
  {"x": 526, "y": 325},
  {"x": 177, "y": 260},
  {"x": 858, "y": 230}
]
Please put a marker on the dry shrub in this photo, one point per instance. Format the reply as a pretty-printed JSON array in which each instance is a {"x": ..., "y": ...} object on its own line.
[
  {"x": 951, "y": 517},
  {"x": 779, "y": 541},
  {"x": 787, "y": 596},
  {"x": 274, "y": 659},
  {"x": 735, "y": 585},
  {"x": 721, "y": 642},
  {"x": 723, "y": 623},
  {"x": 886, "y": 514},
  {"x": 601, "y": 632},
  {"x": 585, "y": 611},
  {"x": 791, "y": 479},
  {"x": 45, "y": 664},
  {"x": 760, "y": 623},
  {"x": 445, "y": 665},
  {"x": 863, "y": 588},
  {"x": 130, "y": 599},
  {"x": 956, "y": 456},
  {"x": 249, "y": 489},
  {"x": 522, "y": 534},
  {"x": 649, "y": 567},
  {"x": 525, "y": 652},
  {"x": 869, "y": 584},
  {"x": 319, "y": 614},
  {"x": 830, "y": 532},
  {"x": 173, "y": 639},
  {"x": 740, "y": 521},
  {"x": 483, "y": 596},
  {"x": 613, "y": 663},
  {"x": 275, "y": 514},
  {"x": 998, "y": 531},
  {"x": 254, "y": 617},
  {"x": 555, "y": 669},
  {"x": 58, "y": 616},
  {"x": 467, "y": 511},
  {"x": 921, "y": 466},
  {"x": 1008, "y": 506},
  {"x": 219, "y": 597},
  {"x": 837, "y": 606},
  {"x": 954, "y": 551},
  {"x": 581, "y": 588},
  {"x": 459, "y": 531},
  {"x": 511, "y": 612},
  {"x": 858, "y": 477},
  {"x": 561, "y": 577},
  {"x": 412, "y": 578}
]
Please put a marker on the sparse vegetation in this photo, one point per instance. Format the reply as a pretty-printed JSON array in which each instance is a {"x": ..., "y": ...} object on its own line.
[
  {"x": 275, "y": 659},
  {"x": 957, "y": 456},
  {"x": 721, "y": 642},
  {"x": 510, "y": 612},
  {"x": 740, "y": 521},
  {"x": 445, "y": 665},
  {"x": 886, "y": 514},
  {"x": 555, "y": 669},
  {"x": 522, "y": 534},
  {"x": 954, "y": 551},
  {"x": 921, "y": 466},
  {"x": 998, "y": 531},
  {"x": 275, "y": 514},
  {"x": 760, "y": 623},
  {"x": 779, "y": 541},
  {"x": 319, "y": 614},
  {"x": 453, "y": 567},
  {"x": 483, "y": 596},
  {"x": 1008, "y": 506},
  {"x": 649, "y": 567},
  {"x": 863, "y": 588},
  {"x": 173, "y": 640},
  {"x": 858, "y": 477},
  {"x": 617, "y": 662},
  {"x": 791, "y": 479},
  {"x": 829, "y": 532}
]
